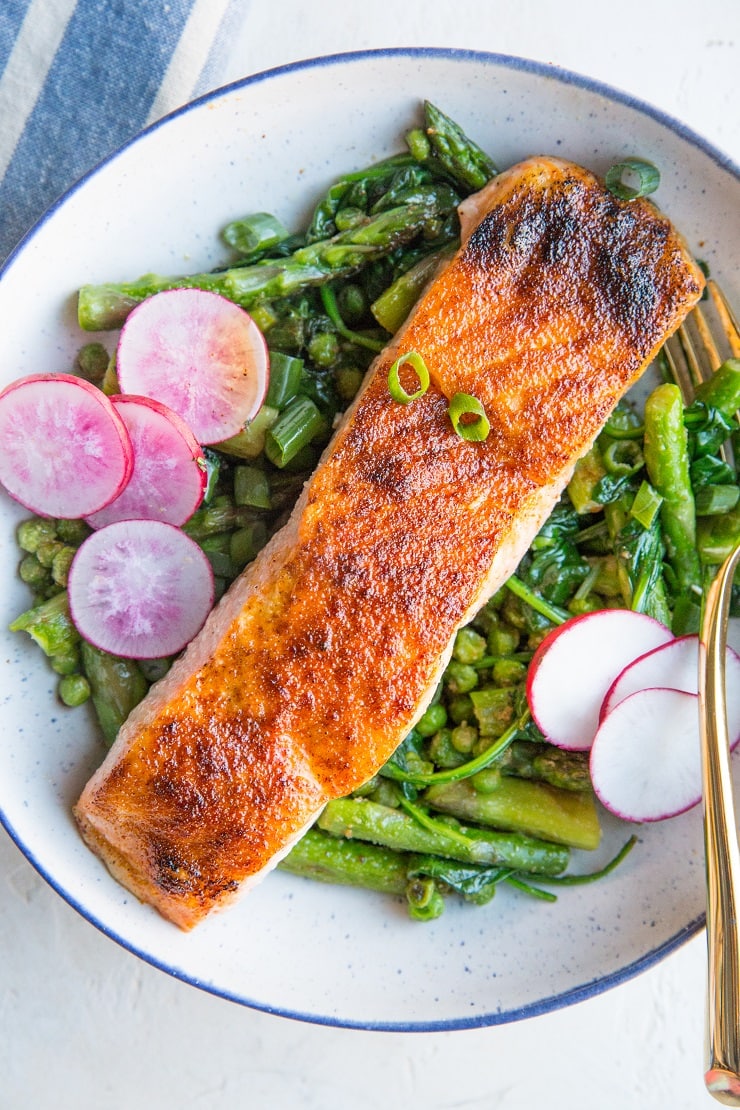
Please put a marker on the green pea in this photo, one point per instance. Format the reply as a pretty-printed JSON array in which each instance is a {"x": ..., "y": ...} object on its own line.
[
  {"x": 433, "y": 719},
  {"x": 73, "y": 689},
  {"x": 91, "y": 362},
  {"x": 460, "y": 708},
  {"x": 47, "y": 550},
  {"x": 508, "y": 672},
  {"x": 352, "y": 303},
  {"x": 460, "y": 678},
  {"x": 348, "y": 380},
  {"x": 323, "y": 348},
  {"x": 503, "y": 640},
  {"x": 61, "y": 563},
  {"x": 35, "y": 531},
  {"x": 72, "y": 532},
  {"x": 443, "y": 751},
  {"x": 469, "y": 647},
  {"x": 32, "y": 573},
  {"x": 464, "y": 737}
]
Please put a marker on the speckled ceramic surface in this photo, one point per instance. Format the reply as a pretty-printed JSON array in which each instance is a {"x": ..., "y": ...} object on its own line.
[{"x": 272, "y": 143}]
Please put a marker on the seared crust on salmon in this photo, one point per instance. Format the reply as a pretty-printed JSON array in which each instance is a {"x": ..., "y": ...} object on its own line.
[{"x": 326, "y": 651}]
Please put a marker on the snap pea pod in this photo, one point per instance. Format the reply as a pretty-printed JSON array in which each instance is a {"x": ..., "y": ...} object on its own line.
[{"x": 667, "y": 463}]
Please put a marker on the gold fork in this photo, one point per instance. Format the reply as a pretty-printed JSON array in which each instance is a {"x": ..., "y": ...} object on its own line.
[{"x": 692, "y": 356}]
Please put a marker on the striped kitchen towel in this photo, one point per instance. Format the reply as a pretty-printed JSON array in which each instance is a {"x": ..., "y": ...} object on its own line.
[{"x": 80, "y": 77}]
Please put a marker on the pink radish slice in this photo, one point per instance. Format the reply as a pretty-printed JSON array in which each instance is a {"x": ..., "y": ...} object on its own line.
[
  {"x": 140, "y": 589},
  {"x": 64, "y": 450},
  {"x": 169, "y": 475},
  {"x": 198, "y": 353},
  {"x": 645, "y": 760},
  {"x": 676, "y": 665},
  {"x": 575, "y": 665}
]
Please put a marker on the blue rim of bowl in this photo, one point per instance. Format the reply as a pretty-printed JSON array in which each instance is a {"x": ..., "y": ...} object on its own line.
[{"x": 551, "y": 1002}]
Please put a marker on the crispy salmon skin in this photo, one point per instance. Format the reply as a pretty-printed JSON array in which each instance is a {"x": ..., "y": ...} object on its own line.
[{"x": 321, "y": 657}]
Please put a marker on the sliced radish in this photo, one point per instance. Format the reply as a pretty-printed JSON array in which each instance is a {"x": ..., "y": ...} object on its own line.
[
  {"x": 646, "y": 759},
  {"x": 169, "y": 475},
  {"x": 676, "y": 665},
  {"x": 575, "y": 665},
  {"x": 140, "y": 589},
  {"x": 64, "y": 450},
  {"x": 198, "y": 353}
]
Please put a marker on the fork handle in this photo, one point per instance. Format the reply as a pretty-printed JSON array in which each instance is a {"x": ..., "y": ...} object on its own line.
[{"x": 722, "y": 1076}]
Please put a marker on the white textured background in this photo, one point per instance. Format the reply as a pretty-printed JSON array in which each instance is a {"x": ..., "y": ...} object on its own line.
[{"x": 85, "y": 1025}]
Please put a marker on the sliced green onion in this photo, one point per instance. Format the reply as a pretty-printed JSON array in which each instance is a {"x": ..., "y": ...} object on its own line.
[
  {"x": 285, "y": 379},
  {"x": 617, "y": 431},
  {"x": 646, "y": 504},
  {"x": 397, "y": 392},
  {"x": 647, "y": 174},
  {"x": 258, "y": 232},
  {"x": 623, "y": 457},
  {"x": 296, "y": 426},
  {"x": 251, "y": 487},
  {"x": 463, "y": 404},
  {"x": 716, "y": 500}
]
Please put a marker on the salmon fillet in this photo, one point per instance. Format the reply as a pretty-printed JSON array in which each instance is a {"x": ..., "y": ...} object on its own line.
[{"x": 327, "y": 650}]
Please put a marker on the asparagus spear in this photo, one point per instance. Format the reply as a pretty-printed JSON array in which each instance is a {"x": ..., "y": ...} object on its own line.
[
  {"x": 347, "y": 862},
  {"x": 364, "y": 819},
  {"x": 116, "y": 686},
  {"x": 526, "y": 759},
  {"x": 102, "y": 307},
  {"x": 394, "y": 304},
  {"x": 534, "y": 808},
  {"x": 667, "y": 462},
  {"x": 470, "y": 166}
]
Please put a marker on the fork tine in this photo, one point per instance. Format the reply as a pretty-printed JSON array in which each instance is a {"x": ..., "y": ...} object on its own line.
[
  {"x": 713, "y": 356},
  {"x": 694, "y": 352},
  {"x": 679, "y": 372},
  {"x": 728, "y": 319},
  {"x": 696, "y": 370}
]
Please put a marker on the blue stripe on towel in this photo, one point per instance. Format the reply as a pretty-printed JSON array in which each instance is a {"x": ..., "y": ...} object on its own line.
[
  {"x": 12, "y": 13},
  {"x": 97, "y": 94}
]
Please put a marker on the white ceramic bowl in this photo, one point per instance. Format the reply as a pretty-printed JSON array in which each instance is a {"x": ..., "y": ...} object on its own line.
[{"x": 273, "y": 142}]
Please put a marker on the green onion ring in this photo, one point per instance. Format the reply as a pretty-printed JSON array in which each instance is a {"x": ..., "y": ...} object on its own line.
[
  {"x": 623, "y": 457},
  {"x": 463, "y": 404},
  {"x": 397, "y": 392},
  {"x": 648, "y": 174}
]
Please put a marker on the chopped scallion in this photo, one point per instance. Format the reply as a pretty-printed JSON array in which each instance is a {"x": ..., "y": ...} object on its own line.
[
  {"x": 623, "y": 457},
  {"x": 416, "y": 362},
  {"x": 648, "y": 177},
  {"x": 296, "y": 426},
  {"x": 462, "y": 405},
  {"x": 285, "y": 379},
  {"x": 646, "y": 504}
]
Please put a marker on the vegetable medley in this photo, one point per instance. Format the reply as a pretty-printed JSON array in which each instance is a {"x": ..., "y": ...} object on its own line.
[{"x": 476, "y": 795}]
